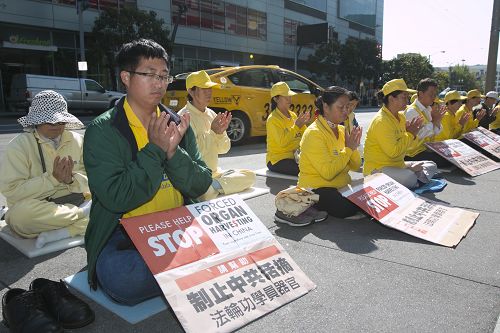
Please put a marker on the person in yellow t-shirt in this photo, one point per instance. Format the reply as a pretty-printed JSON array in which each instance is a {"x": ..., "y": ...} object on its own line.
[
  {"x": 211, "y": 137},
  {"x": 473, "y": 99},
  {"x": 495, "y": 125},
  {"x": 389, "y": 137},
  {"x": 284, "y": 131},
  {"x": 328, "y": 153},
  {"x": 451, "y": 126}
]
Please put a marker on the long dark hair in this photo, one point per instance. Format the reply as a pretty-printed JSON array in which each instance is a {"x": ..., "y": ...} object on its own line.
[{"x": 329, "y": 96}]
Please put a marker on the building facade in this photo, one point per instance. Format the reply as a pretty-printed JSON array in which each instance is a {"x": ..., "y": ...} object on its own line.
[{"x": 42, "y": 36}]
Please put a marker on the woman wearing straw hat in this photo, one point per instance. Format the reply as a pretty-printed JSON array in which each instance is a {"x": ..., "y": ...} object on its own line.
[
  {"x": 43, "y": 176},
  {"x": 389, "y": 137},
  {"x": 284, "y": 131}
]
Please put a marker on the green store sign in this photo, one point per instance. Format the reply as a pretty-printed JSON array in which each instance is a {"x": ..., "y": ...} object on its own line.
[{"x": 16, "y": 39}]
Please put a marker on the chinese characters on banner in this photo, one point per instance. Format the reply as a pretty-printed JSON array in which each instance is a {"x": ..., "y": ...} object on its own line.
[
  {"x": 397, "y": 207},
  {"x": 463, "y": 156},
  {"x": 217, "y": 264},
  {"x": 485, "y": 139}
]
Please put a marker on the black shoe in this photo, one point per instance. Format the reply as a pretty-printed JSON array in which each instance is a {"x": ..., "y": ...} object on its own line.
[
  {"x": 69, "y": 310},
  {"x": 26, "y": 312}
]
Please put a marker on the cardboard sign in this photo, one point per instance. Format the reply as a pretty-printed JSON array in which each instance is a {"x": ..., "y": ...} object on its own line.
[
  {"x": 397, "y": 207},
  {"x": 463, "y": 156},
  {"x": 218, "y": 266},
  {"x": 485, "y": 139}
]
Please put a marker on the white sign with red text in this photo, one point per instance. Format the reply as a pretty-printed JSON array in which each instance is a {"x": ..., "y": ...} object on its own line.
[
  {"x": 485, "y": 139},
  {"x": 218, "y": 266},
  {"x": 397, "y": 207},
  {"x": 463, "y": 156}
]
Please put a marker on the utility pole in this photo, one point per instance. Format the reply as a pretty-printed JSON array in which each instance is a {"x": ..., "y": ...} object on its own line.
[
  {"x": 491, "y": 70},
  {"x": 81, "y": 7}
]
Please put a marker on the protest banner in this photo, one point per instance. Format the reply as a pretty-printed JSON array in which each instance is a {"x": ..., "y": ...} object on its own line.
[
  {"x": 397, "y": 207},
  {"x": 486, "y": 140},
  {"x": 218, "y": 266},
  {"x": 463, "y": 156}
]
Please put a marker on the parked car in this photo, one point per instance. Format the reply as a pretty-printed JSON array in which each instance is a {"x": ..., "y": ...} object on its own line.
[
  {"x": 80, "y": 94},
  {"x": 246, "y": 92}
]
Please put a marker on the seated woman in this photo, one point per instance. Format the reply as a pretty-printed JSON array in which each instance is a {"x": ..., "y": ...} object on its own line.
[
  {"x": 389, "y": 137},
  {"x": 284, "y": 131},
  {"x": 328, "y": 152},
  {"x": 43, "y": 177}
]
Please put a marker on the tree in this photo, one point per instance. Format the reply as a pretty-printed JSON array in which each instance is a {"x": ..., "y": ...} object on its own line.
[
  {"x": 325, "y": 60},
  {"x": 461, "y": 78},
  {"x": 113, "y": 28},
  {"x": 359, "y": 59},
  {"x": 411, "y": 67},
  {"x": 443, "y": 80}
]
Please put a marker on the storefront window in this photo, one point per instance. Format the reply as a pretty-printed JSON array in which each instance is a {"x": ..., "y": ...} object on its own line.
[
  {"x": 206, "y": 18},
  {"x": 218, "y": 15},
  {"x": 290, "y": 31},
  {"x": 257, "y": 24}
]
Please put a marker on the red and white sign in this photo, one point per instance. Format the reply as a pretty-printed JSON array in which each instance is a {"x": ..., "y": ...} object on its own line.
[
  {"x": 485, "y": 139},
  {"x": 217, "y": 264},
  {"x": 463, "y": 156},
  {"x": 397, "y": 207}
]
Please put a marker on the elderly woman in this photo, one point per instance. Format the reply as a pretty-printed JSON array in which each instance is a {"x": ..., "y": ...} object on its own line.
[
  {"x": 43, "y": 176},
  {"x": 328, "y": 152},
  {"x": 389, "y": 137},
  {"x": 284, "y": 131}
]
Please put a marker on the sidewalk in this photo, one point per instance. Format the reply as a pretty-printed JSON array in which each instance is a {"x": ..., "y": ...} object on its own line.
[{"x": 369, "y": 278}]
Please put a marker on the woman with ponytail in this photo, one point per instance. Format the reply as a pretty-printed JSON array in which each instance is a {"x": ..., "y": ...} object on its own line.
[
  {"x": 389, "y": 137},
  {"x": 328, "y": 152}
]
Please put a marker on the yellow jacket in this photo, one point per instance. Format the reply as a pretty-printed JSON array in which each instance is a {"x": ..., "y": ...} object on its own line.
[
  {"x": 451, "y": 128},
  {"x": 496, "y": 123},
  {"x": 386, "y": 141},
  {"x": 22, "y": 177},
  {"x": 325, "y": 161},
  {"x": 210, "y": 144},
  {"x": 471, "y": 123},
  {"x": 283, "y": 136}
]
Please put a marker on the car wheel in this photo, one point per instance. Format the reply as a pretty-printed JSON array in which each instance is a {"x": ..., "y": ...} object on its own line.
[{"x": 239, "y": 128}]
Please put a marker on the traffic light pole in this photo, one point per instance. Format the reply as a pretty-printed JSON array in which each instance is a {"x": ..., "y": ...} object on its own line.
[{"x": 82, "y": 37}]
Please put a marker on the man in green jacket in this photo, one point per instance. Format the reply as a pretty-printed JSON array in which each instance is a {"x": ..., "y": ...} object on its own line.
[{"x": 140, "y": 158}]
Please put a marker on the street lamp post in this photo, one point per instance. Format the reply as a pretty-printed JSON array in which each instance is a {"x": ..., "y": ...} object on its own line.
[{"x": 429, "y": 56}]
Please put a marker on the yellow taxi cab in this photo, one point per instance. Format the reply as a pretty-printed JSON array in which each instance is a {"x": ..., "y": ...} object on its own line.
[{"x": 245, "y": 91}]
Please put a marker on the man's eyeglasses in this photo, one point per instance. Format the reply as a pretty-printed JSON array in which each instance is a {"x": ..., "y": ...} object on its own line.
[{"x": 152, "y": 76}]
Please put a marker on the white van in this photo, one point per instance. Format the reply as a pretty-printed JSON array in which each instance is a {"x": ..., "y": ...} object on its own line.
[{"x": 80, "y": 94}]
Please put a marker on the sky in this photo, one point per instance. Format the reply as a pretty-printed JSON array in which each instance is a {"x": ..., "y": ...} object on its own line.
[{"x": 429, "y": 27}]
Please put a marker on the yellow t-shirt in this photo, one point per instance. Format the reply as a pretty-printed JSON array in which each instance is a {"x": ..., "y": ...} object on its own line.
[
  {"x": 386, "y": 141},
  {"x": 325, "y": 161},
  {"x": 471, "y": 123},
  {"x": 451, "y": 128},
  {"x": 283, "y": 136},
  {"x": 168, "y": 196}
]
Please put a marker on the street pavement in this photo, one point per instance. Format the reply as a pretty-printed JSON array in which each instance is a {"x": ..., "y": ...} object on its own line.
[{"x": 369, "y": 278}]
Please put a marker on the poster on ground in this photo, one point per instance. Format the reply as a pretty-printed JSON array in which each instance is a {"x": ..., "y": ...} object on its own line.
[
  {"x": 486, "y": 140},
  {"x": 397, "y": 207},
  {"x": 463, "y": 156},
  {"x": 217, "y": 264}
]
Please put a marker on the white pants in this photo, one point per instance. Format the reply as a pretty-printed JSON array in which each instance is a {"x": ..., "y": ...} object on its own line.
[{"x": 408, "y": 177}]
